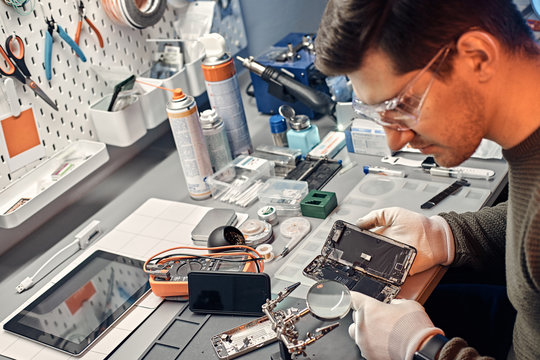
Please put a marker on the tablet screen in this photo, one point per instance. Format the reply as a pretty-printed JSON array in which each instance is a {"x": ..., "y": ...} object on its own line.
[{"x": 72, "y": 313}]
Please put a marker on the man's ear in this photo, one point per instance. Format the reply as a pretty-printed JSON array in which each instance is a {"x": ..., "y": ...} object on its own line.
[{"x": 480, "y": 51}]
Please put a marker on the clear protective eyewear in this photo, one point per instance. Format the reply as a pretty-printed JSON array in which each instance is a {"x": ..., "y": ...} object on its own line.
[{"x": 402, "y": 111}]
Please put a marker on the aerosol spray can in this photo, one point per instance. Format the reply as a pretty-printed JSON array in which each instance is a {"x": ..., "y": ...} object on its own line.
[
  {"x": 216, "y": 140},
  {"x": 224, "y": 93},
  {"x": 188, "y": 136}
]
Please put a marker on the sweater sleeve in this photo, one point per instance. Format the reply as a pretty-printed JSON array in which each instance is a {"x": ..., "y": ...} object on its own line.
[
  {"x": 479, "y": 236},
  {"x": 457, "y": 349}
]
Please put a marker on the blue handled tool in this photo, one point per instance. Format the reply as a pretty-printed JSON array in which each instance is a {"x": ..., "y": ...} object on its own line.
[{"x": 52, "y": 25}]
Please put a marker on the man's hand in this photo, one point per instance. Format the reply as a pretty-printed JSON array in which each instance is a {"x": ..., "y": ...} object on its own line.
[
  {"x": 389, "y": 331},
  {"x": 431, "y": 236}
]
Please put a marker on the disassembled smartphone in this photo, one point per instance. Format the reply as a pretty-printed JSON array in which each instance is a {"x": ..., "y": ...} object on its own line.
[
  {"x": 244, "y": 338},
  {"x": 363, "y": 261}
]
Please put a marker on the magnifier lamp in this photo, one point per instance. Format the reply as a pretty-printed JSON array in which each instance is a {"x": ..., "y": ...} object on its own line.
[
  {"x": 329, "y": 300},
  {"x": 326, "y": 300},
  {"x": 536, "y": 7}
]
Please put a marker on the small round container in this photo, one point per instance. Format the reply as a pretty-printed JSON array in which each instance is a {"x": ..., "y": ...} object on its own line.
[
  {"x": 269, "y": 214},
  {"x": 266, "y": 251},
  {"x": 256, "y": 232}
]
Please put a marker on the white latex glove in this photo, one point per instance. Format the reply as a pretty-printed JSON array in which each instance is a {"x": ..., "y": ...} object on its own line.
[
  {"x": 389, "y": 331},
  {"x": 431, "y": 236}
]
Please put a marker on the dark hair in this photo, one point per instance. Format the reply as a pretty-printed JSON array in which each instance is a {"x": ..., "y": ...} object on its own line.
[{"x": 411, "y": 31}]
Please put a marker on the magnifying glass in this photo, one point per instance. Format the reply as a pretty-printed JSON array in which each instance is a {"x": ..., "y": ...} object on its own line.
[
  {"x": 536, "y": 6},
  {"x": 328, "y": 300}
]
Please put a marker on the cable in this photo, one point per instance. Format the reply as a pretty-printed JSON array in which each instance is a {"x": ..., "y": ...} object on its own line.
[
  {"x": 191, "y": 256},
  {"x": 81, "y": 242},
  {"x": 249, "y": 90},
  {"x": 18, "y": 6},
  {"x": 30, "y": 281},
  {"x": 259, "y": 260}
]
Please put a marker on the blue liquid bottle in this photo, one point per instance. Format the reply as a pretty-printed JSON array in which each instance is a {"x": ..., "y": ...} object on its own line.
[{"x": 302, "y": 135}]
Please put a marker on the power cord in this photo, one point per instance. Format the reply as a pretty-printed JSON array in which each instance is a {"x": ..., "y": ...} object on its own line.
[{"x": 81, "y": 242}]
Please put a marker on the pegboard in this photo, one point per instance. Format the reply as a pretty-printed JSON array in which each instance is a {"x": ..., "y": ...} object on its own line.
[{"x": 75, "y": 85}]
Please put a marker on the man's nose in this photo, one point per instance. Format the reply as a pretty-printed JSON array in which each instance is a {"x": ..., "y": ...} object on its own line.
[{"x": 398, "y": 139}]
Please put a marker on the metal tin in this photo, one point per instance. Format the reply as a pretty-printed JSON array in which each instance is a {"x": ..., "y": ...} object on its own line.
[
  {"x": 225, "y": 97},
  {"x": 189, "y": 139},
  {"x": 216, "y": 139}
]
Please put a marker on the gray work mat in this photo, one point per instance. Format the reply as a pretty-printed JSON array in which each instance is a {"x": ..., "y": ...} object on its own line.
[
  {"x": 376, "y": 192},
  {"x": 175, "y": 336}
]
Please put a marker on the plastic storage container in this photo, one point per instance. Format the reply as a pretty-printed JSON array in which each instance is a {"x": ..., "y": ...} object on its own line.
[
  {"x": 118, "y": 128},
  {"x": 242, "y": 172},
  {"x": 49, "y": 180},
  {"x": 284, "y": 195}
]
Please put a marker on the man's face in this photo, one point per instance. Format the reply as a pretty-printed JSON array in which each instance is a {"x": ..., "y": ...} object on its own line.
[{"x": 451, "y": 122}]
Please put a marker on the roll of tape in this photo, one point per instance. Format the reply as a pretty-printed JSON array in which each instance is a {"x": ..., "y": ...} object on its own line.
[
  {"x": 266, "y": 251},
  {"x": 137, "y": 14}
]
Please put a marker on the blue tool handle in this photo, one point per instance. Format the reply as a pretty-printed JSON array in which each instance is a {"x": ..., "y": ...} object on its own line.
[
  {"x": 48, "y": 54},
  {"x": 71, "y": 43}
]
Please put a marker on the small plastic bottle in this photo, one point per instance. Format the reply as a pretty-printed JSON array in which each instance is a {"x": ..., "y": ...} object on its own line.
[
  {"x": 278, "y": 128},
  {"x": 302, "y": 135}
]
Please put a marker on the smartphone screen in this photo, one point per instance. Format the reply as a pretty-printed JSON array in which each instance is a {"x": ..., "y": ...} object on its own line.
[
  {"x": 126, "y": 84},
  {"x": 227, "y": 292}
]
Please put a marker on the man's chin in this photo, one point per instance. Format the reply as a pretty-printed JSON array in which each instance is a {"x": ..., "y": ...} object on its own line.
[{"x": 447, "y": 161}]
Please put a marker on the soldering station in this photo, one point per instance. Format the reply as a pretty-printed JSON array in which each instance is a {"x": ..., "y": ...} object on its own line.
[{"x": 232, "y": 233}]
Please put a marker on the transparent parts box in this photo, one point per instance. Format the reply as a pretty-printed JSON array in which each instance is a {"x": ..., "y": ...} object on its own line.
[
  {"x": 363, "y": 261},
  {"x": 284, "y": 195},
  {"x": 237, "y": 176}
]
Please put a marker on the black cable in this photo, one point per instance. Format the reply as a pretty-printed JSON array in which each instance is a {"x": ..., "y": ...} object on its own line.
[
  {"x": 250, "y": 92},
  {"x": 157, "y": 260}
]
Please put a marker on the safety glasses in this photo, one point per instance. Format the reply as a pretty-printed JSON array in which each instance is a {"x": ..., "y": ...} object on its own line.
[{"x": 403, "y": 111}]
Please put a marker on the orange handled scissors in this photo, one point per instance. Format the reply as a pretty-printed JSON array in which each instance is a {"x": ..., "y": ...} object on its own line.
[{"x": 16, "y": 67}]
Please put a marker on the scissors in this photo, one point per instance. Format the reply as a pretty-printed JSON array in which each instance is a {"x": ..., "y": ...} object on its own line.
[{"x": 14, "y": 57}]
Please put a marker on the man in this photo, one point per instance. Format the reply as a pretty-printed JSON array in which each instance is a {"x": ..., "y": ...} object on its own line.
[{"x": 440, "y": 76}]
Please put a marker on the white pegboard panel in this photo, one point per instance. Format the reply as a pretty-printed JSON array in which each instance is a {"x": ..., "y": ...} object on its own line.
[{"x": 74, "y": 84}]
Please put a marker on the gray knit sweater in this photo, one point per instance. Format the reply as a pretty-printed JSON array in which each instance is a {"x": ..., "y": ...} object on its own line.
[{"x": 510, "y": 233}]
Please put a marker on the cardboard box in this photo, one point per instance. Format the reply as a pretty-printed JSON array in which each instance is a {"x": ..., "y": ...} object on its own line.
[{"x": 366, "y": 137}]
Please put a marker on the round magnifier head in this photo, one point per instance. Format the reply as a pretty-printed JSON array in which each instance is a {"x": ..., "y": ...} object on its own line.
[{"x": 329, "y": 300}]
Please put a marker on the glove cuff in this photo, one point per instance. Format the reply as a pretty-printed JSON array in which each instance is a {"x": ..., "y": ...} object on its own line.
[
  {"x": 415, "y": 342},
  {"x": 446, "y": 232}
]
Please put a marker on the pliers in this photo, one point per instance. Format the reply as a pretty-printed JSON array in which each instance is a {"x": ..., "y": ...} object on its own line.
[
  {"x": 82, "y": 16},
  {"x": 52, "y": 25}
]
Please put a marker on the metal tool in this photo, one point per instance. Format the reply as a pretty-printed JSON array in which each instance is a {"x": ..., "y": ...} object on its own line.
[
  {"x": 456, "y": 185},
  {"x": 14, "y": 58},
  {"x": 285, "y": 328},
  {"x": 82, "y": 15},
  {"x": 51, "y": 27},
  {"x": 292, "y": 51},
  {"x": 286, "y": 88}
]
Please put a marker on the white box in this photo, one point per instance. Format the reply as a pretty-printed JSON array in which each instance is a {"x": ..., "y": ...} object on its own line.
[
  {"x": 153, "y": 101},
  {"x": 366, "y": 137},
  {"x": 118, "y": 128}
]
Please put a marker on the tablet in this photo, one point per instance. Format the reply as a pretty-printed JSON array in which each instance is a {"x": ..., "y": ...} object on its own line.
[{"x": 76, "y": 310}]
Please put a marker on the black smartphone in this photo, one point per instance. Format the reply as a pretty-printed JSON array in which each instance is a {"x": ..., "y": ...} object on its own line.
[
  {"x": 123, "y": 85},
  {"x": 228, "y": 292}
]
